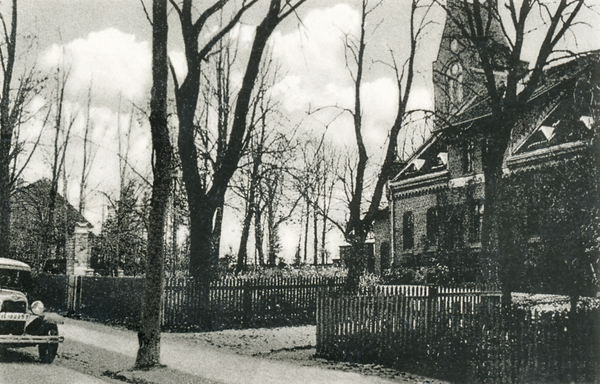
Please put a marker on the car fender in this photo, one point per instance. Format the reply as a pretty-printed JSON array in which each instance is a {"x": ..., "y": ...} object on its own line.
[
  {"x": 38, "y": 325},
  {"x": 35, "y": 325}
]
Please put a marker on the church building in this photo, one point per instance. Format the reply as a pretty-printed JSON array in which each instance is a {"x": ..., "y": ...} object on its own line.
[{"x": 549, "y": 193}]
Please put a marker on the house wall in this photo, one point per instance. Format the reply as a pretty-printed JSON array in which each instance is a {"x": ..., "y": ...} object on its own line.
[
  {"x": 382, "y": 245},
  {"x": 418, "y": 205},
  {"x": 81, "y": 250},
  {"x": 78, "y": 251},
  {"x": 548, "y": 225}
]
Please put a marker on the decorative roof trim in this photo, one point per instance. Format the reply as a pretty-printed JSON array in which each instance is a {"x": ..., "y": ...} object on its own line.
[
  {"x": 432, "y": 139},
  {"x": 459, "y": 182},
  {"x": 544, "y": 117},
  {"x": 420, "y": 191},
  {"x": 420, "y": 185},
  {"x": 543, "y": 154}
]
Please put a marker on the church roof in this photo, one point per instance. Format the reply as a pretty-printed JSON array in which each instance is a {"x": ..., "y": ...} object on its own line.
[
  {"x": 557, "y": 114},
  {"x": 556, "y": 80}
]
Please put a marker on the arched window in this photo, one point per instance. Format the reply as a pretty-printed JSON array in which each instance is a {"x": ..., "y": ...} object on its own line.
[
  {"x": 475, "y": 217},
  {"x": 433, "y": 226},
  {"x": 408, "y": 240},
  {"x": 454, "y": 74}
]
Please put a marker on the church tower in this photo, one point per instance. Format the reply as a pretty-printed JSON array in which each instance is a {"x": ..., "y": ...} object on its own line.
[{"x": 457, "y": 75}]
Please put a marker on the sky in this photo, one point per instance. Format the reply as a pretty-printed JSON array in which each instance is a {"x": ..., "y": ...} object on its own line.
[{"x": 106, "y": 47}]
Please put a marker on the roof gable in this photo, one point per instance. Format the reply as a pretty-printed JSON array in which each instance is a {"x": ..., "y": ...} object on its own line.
[
  {"x": 38, "y": 193},
  {"x": 432, "y": 157}
]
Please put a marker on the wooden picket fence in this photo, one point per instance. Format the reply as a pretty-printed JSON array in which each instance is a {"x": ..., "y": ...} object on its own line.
[
  {"x": 461, "y": 337},
  {"x": 421, "y": 290},
  {"x": 230, "y": 302},
  {"x": 244, "y": 302}
]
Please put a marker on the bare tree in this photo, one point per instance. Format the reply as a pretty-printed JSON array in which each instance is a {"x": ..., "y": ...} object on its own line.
[
  {"x": 148, "y": 354},
  {"x": 358, "y": 224},
  {"x": 121, "y": 245},
  {"x": 62, "y": 126},
  {"x": 266, "y": 147},
  {"x": 205, "y": 200},
  {"x": 308, "y": 179},
  {"x": 12, "y": 110},
  {"x": 277, "y": 198},
  {"x": 88, "y": 154},
  {"x": 509, "y": 98},
  {"x": 24, "y": 147},
  {"x": 329, "y": 163},
  {"x": 253, "y": 180}
]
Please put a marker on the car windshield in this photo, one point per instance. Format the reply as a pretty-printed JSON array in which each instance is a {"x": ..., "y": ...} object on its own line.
[{"x": 15, "y": 279}]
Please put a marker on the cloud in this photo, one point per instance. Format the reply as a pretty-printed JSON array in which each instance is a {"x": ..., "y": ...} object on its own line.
[
  {"x": 314, "y": 56},
  {"x": 317, "y": 78},
  {"x": 318, "y": 46},
  {"x": 113, "y": 61}
]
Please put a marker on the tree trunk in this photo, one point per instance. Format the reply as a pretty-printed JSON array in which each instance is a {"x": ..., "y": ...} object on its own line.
[
  {"x": 306, "y": 226},
  {"x": 148, "y": 354},
  {"x": 250, "y": 211},
  {"x": 315, "y": 237},
  {"x": 6, "y": 134},
  {"x": 357, "y": 262},
  {"x": 216, "y": 232},
  {"x": 496, "y": 263},
  {"x": 273, "y": 236},
  {"x": 258, "y": 237},
  {"x": 324, "y": 230},
  {"x": 201, "y": 220},
  {"x": 202, "y": 267},
  {"x": 203, "y": 203},
  {"x": 50, "y": 235},
  {"x": 242, "y": 258}
]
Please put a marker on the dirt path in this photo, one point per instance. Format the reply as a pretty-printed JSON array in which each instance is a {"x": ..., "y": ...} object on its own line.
[
  {"x": 291, "y": 344},
  {"x": 281, "y": 355}
]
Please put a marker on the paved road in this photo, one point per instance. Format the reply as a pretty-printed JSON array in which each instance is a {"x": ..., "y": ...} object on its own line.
[
  {"x": 19, "y": 373},
  {"x": 20, "y": 366},
  {"x": 116, "y": 350},
  {"x": 94, "y": 353}
]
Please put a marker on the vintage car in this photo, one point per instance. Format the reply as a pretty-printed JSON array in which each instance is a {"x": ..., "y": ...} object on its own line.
[{"x": 22, "y": 325}]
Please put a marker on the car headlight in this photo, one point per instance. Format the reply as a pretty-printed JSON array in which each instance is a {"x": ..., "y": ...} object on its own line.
[{"x": 37, "y": 307}]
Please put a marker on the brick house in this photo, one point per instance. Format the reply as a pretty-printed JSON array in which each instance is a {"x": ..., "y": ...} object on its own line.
[
  {"x": 437, "y": 199},
  {"x": 70, "y": 248},
  {"x": 377, "y": 246}
]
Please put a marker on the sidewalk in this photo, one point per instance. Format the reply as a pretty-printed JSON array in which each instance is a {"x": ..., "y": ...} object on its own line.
[{"x": 187, "y": 362}]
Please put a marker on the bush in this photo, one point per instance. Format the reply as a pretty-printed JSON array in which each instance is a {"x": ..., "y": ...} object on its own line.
[
  {"x": 291, "y": 271},
  {"x": 367, "y": 281}
]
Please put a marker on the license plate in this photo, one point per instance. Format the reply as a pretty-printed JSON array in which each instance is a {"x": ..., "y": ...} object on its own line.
[{"x": 13, "y": 316}]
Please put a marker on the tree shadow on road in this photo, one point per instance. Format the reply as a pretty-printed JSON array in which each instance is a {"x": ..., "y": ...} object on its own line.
[{"x": 10, "y": 355}]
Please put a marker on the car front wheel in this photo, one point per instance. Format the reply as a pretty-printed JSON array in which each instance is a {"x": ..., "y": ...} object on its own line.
[{"x": 48, "y": 351}]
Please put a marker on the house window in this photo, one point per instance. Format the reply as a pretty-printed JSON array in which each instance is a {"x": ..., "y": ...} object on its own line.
[
  {"x": 533, "y": 218},
  {"x": 408, "y": 235},
  {"x": 468, "y": 155},
  {"x": 475, "y": 216},
  {"x": 455, "y": 84},
  {"x": 452, "y": 226},
  {"x": 385, "y": 255},
  {"x": 433, "y": 226}
]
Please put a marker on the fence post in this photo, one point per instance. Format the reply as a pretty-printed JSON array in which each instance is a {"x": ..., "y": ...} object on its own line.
[
  {"x": 70, "y": 292},
  {"x": 74, "y": 294},
  {"x": 247, "y": 304}
]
